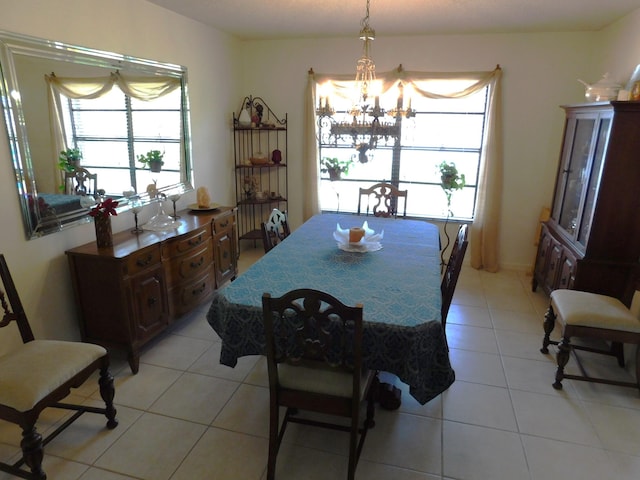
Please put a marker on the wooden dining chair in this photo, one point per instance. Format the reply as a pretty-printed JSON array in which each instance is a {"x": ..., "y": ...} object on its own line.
[
  {"x": 596, "y": 317},
  {"x": 452, "y": 271},
  {"x": 314, "y": 361},
  {"x": 382, "y": 199},
  {"x": 39, "y": 374},
  {"x": 274, "y": 230}
]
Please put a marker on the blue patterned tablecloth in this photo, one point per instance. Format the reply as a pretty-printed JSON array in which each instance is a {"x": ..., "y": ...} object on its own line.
[{"x": 398, "y": 285}]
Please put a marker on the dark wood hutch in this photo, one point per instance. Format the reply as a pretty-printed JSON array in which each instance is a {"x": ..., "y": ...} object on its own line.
[{"x": 592, "y": 240}]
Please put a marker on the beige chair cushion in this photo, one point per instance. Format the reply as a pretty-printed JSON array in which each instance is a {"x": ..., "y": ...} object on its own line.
[
  {"x": 37, "y": 368},
  {"x": 593, "y": 310},
  {"x": 320, "y": 380}
]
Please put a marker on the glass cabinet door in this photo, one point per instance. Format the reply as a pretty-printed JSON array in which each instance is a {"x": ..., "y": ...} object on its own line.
[
  {"x": 594, "y": 181},
  {"x": 574, "y": 174}
]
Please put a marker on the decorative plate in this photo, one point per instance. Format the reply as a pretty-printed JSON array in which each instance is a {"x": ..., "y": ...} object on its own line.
[
  {"x": 360, "y": 247},
  {"x": 212, "y": 206}
]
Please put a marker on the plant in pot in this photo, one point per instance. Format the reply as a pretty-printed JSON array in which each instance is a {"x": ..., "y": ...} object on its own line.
[
  {"x": 450, "y": 181},
  {"x": 152, "y": 159},
  {"x": 335, "y": 167},
  {"x": 69, "y": 159}
]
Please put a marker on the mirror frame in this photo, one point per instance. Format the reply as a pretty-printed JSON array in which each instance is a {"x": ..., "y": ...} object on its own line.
[{"x": 12, "y": 44}]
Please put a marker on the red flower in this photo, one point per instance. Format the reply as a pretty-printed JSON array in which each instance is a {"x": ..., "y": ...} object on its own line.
[{"x": 105, "y": 208}]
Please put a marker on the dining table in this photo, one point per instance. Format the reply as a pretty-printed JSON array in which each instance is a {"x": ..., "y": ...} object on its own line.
[{"x": 397, "y": 284}]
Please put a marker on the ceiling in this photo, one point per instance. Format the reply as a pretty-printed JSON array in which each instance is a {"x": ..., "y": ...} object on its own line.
[{"x": 274, "y": 19}]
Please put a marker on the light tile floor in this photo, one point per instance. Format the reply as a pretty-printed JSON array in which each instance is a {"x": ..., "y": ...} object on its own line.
[{"x": 185, "y": 417}]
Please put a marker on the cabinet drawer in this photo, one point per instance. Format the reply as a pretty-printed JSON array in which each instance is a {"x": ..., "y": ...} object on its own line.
[
  {"x": 142, "y": 259},
  {"x": 186, "y": 242},
  {"x": 191, "y": 264},
  {"x": 190, "y": 294},
  {"x": 223, "y": 223}
]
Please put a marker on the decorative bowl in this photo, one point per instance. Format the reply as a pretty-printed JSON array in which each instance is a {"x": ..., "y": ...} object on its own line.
[{"x": 258, "y": 159}]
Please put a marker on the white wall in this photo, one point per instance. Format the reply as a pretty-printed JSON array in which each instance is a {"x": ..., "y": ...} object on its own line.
[
  {"x": 140, "y": 29},
  {"x": 540, "y": 72}
]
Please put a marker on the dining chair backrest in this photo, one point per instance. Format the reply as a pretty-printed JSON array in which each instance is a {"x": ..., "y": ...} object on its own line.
[
  {"x": 314, "y": 363},
  {"x": 382, "y": 200},
  {"x": 452, "y": 270},
  {"x": 82, "y": 182},
  {"x": 274, "y": 230}
]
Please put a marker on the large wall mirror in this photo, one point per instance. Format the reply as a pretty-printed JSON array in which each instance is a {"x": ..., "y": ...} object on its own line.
[{"x": 109, "y": 107}]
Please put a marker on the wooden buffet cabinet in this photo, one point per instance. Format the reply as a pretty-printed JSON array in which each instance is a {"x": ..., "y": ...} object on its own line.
[
  {"x": 128, "y": 294},
  {"x": 592, "y": 240}
]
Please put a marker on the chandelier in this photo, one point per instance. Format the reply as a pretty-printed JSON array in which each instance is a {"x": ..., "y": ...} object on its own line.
[{"x": 367, "y": 125}]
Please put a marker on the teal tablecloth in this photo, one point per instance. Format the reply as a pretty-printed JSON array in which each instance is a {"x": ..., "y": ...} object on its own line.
[{"x": 398, "y": 285}]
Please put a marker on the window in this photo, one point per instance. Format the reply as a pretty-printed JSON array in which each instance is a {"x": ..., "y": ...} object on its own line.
[
  {"x": 112, "y": 130},
  {"x": 448, "y": 129}
]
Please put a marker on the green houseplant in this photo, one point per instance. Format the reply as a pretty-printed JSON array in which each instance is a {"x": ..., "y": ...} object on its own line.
[
  {"x": 450, "y": 180},
  {"x": 69, "y": 159},
  {"x": 152, "y": 159},
  {"x": 335, "y": 167}
]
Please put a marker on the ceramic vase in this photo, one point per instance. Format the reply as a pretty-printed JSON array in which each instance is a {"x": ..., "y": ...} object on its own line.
[{"x": 104, "y": 236}]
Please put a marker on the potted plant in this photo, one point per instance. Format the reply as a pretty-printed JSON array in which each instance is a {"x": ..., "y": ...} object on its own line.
[
  {"x": 335, "y": 167},
  {"x": 152, "y": 159},
  {"x": 450, "y": 181},
  {"x": 69, "y": 159}
]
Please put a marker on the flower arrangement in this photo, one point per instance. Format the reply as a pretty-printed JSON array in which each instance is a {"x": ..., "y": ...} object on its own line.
[
  {"x": 104, "y": 209},
  {"x": 335, "y": 167}
]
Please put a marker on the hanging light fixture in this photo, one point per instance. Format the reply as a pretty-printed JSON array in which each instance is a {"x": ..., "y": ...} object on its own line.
[
  {"x": 367, "y": 125},
  {"x": 365, "y": 68}
]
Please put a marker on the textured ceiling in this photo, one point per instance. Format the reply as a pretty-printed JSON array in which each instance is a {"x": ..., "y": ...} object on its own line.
[{"x": 269, "y": 19}]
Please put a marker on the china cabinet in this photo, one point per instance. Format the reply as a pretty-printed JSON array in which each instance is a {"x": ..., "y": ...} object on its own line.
[
  {"x": 260, "y": 157},
  {"x": 592, "y": 240},
  {"x": 129, "y": 293}
]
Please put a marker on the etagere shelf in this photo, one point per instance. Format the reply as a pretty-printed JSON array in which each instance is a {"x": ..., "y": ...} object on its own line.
[{"x": 260, "y": 157}]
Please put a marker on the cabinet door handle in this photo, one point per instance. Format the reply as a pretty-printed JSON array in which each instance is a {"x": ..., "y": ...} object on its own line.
[
  {"x": 143, "y": 262},
  {"x": 225, "y": 254},
  {"x": 198, "y": 263},
  {"x": 151, "y": 301},
  {"x": 224, "y": 224}
]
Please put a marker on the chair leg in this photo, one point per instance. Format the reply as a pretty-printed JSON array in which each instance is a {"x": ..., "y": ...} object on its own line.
[
  {"x": 371, "y": 409},
  {"x": 617, "y": 350},
  {"x": 107, "y": 392},
  {"x": 353, "y": 445},
  {"x": 638, "y": 365},
  {"x": 549, "y": 324},
  {"x": 273, "y": 442},
  {"x": 564, "y": 351},
  {"x": 33, "y": 451}
]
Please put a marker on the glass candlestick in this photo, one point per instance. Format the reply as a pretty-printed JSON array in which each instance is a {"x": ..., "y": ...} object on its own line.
[
  {"x": 136, "y": 208},
  {"x": 174, "y": 197}
]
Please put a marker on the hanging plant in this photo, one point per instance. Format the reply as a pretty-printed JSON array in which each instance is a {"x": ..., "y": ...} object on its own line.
[
  {"x": 335, "y": 167},
  {"x": 450, "y": 181},
  {"x": 152, "y": 159},
  {"x": 69, "y": 159}
]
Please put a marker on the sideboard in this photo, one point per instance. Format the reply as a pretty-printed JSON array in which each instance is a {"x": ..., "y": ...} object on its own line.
[{"x": 129, "y": 293}]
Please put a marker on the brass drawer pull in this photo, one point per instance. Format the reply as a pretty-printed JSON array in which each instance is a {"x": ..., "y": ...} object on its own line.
[
  {"x": 143, "y": 262},
  {"x": 224, "y": 224},
  {"x": 198, "y": 263},
  {"x": 151, "y": 301},
  {"x": 198, "y": 291},
  {"x": 195, "y": 241}
]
